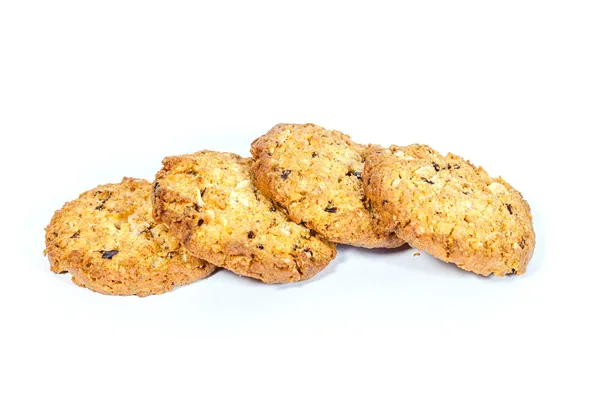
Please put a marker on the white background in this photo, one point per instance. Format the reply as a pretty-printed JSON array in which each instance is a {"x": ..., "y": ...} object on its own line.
[{"x": 93, "y": 91}]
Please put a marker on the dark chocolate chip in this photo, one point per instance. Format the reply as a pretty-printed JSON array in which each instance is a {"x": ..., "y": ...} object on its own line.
[
  {"x": 155, "y": 187},
  {"x": 269, "y": 153},
  {"x": 427, "y": 180},
  {"x": 457, "y": 166},
  {"x": 331, "y": 209},
  {"x": 200, "y": 222},
  {"x": 75, "y": 235},
  {"x": 509, "y": 208},
  {"x": 384, "y": 202},
  {"x": 250, "y": 235},
  {"x": 354, "y": 173},
  {"x": 109, "y": 254},
  {"x": 309, "y": 252},
  {"x": 285, "y": 174},
  {"x": 514, "y": 271},
  {"x": 202, "y": 192},
  {"x": 315, "y": 155},
  {"x": 197, "y": 207},
  {"x": 436, "y": 167},
  {"x": 260, "y": 246},
  {"x": 272, "y": 209},
  {"x": 99, "y": 207},
  {"x": 522, "y": 243}
]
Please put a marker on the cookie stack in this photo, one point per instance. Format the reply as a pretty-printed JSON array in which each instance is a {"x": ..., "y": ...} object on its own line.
[{"x": 277, "y": 216}]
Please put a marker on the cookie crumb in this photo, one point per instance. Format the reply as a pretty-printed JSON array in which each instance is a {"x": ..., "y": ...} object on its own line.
[{"x": 416, "y": 254}]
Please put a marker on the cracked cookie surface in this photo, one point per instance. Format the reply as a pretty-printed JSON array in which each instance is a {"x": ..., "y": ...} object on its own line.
[
  {"x": 211, "y": 205},
  {"x": 314, "y": 175},
  {"x": 450, "y": 208},
  {"x": 109, "y": 243}
]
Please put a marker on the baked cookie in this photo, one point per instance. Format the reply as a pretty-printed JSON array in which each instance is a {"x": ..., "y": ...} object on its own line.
[
  {"x": 210, "y": 204},
  {"x": 109, "y": 242},
  {"x": 450, "y": 208},
  {"x": 314, "y": 175}
]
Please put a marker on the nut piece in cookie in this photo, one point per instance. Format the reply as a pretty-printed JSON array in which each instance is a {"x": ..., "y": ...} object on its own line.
[
  {"x": 210, "y": 204},
  {"x": 450, "y": 208},
  {"x": 314, "y": 175},
  {"x": 109, "y": 242}
]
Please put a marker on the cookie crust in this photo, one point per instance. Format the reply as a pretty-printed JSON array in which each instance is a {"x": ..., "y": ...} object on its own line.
[
  {"x": 314, "y": 175},
  {"x": 210, "y": 204},
  {"x": 450, "y": 208},
  {"x": 109, "y": 242}
]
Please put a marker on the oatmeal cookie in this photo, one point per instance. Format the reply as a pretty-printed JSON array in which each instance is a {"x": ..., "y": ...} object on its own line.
[
  {"x": 314, "y": 175},
  {"x": 210, "y": 204},
  {"x": 109, "y": 242},
  {"x": 450, "y": 208}
]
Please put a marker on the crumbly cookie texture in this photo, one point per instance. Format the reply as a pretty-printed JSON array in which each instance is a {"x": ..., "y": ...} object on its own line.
[
  {"x": 109, "y": 242},
  {"x": 314, "y": 175},
  {"x": 211, "y": 205},
  {"x": 450, "y": 208}
]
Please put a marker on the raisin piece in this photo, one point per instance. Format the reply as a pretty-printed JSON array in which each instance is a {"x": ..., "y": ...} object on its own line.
[
  {"x": 250, "y": 235},
  {"x": 331, "y": 209},
  {"x": 109, "y": 254},
  {"x": 200, "y": 222},
  {"x": 509, "y": 208},
  {"x": 436, "y": 167},
  {"x": 285, "y": 174}
]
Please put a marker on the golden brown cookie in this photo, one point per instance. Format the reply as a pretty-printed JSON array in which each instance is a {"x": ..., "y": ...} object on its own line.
[
  {"x": 210, "y": 204},
  {"x": 450, "y": 208},
  {"x": 314, "y": 175},
  {"x": 109, "y": 242}
]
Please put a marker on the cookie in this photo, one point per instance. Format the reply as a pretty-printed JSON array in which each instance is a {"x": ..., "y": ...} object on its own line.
[
  {"x": 314, "y": 175},
  {"x": 211, "y": 205},
  {"x": 109, "y": 242},
  {"x": 450, "y": 208}
]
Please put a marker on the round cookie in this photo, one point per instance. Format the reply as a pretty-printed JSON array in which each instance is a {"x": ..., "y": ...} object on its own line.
[
  {"x": 314, "y": 175},
  {"x": 450, "y": 208},
  {"x": 211, "y": 205},
  {"x": 109, "y": 242}
]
